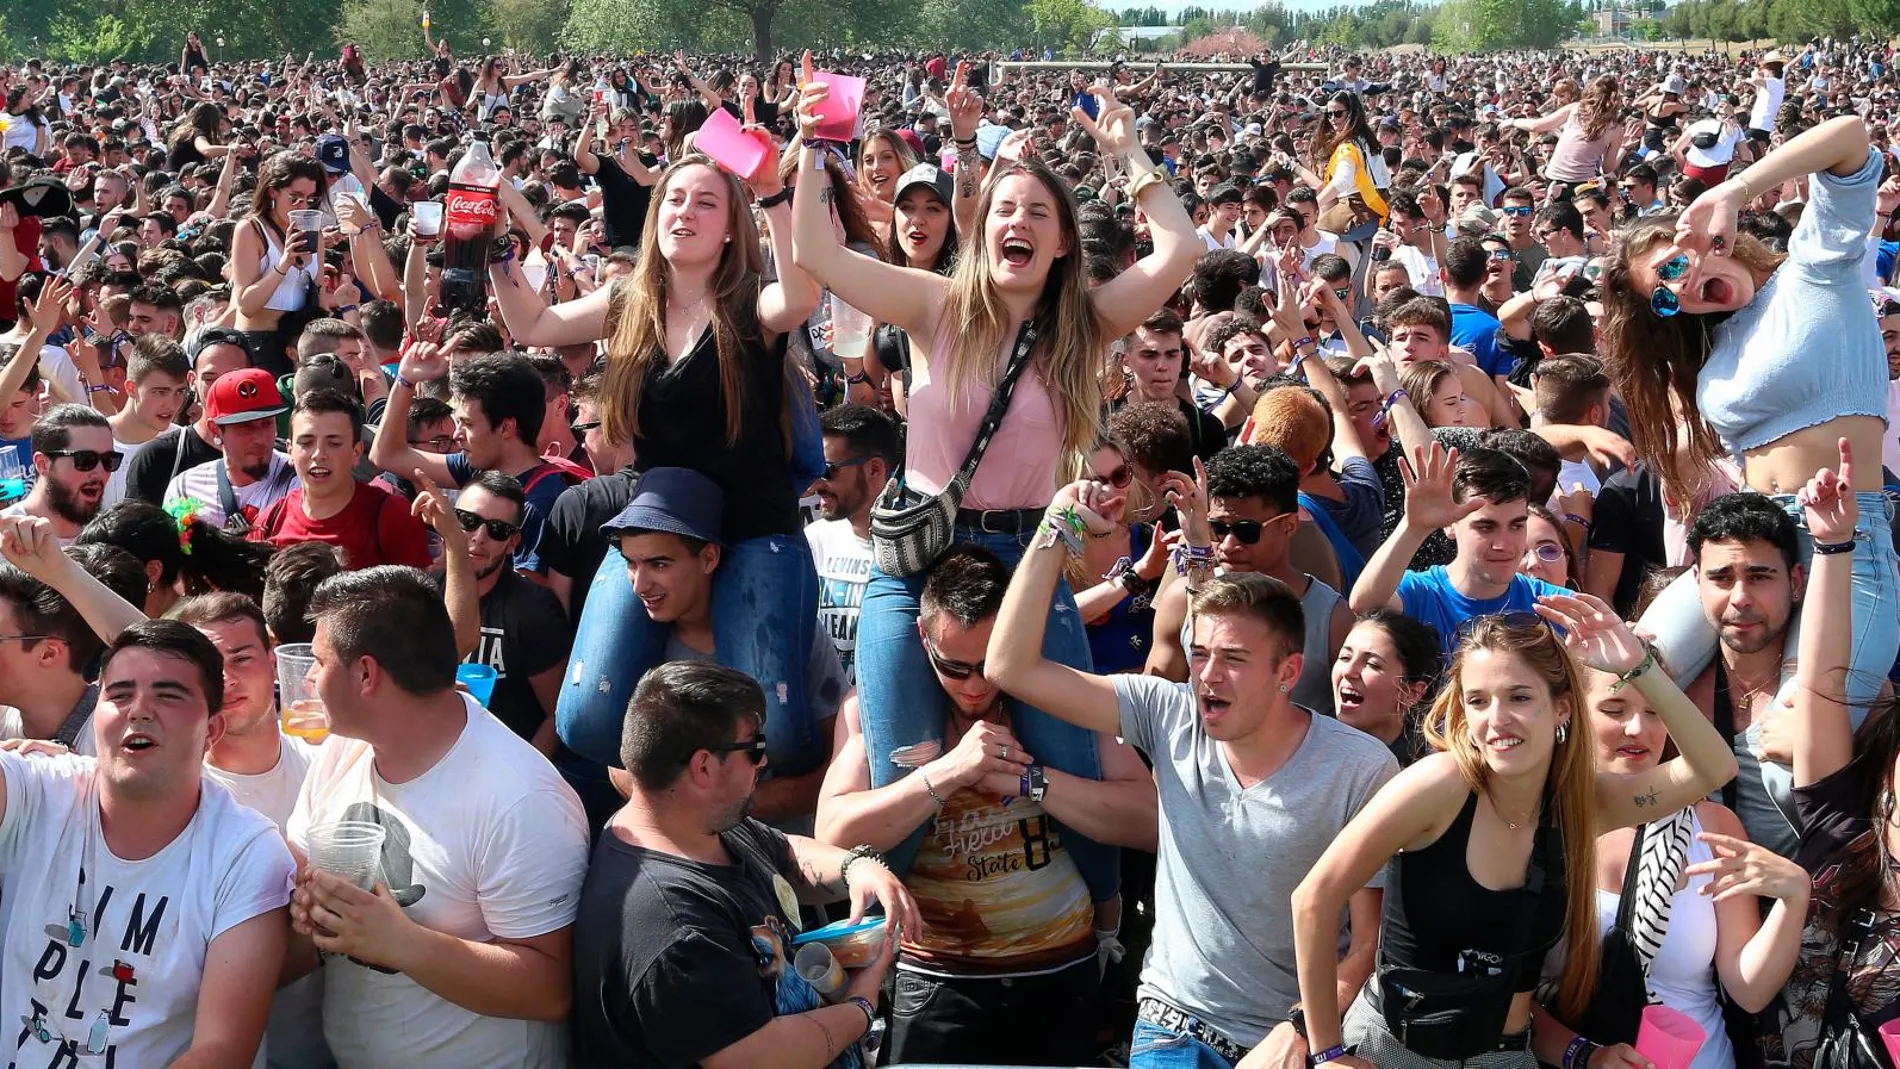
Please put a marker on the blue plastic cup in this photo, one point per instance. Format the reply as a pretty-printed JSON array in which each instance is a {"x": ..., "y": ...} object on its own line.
[{"x": 479, "y": 679}]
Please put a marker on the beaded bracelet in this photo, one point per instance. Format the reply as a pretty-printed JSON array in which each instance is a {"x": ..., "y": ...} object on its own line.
[{"x": 1192, "y": 557}]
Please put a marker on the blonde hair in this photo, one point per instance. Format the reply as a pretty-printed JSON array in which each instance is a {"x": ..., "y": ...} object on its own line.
[
  {"x": 1569, "y": 785},
  {"x": 1071, "y": 337},
  {"x": 636, "y": 311}
]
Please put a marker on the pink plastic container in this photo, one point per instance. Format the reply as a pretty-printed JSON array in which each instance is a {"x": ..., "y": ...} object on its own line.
[
  {"x": 1669, "y": 1038},
  {"x": 721, "y": 138},
  {"x": 838, "y": 112},
  {"x": 1890, "y": 1035}
]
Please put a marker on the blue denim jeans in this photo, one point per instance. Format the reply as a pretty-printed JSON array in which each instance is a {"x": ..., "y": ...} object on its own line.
[
  {"x": 808, "y": 439},
  {"x": 1687, "y": 641},
  {"x": 764, "y": 615},
  {"x": 901, "y": 703},
  {"x": 1155, "y": 1047}
]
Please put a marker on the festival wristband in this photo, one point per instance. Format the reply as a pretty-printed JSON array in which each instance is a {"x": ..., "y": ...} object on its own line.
[
  {"x": 1828, "y": 549},
  {"x": 1330, "y": 1054}
]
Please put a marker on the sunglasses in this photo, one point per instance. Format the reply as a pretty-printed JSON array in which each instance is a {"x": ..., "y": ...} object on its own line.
[
  {"x": 753, "y": 748},
  {"x": 1663, "y": 300},
  {"x": 951, "y": 669},
  {"x": 499, "y": 530},
  {"x": 1500, "y": 254},
  {"x": 832, "y": 469},
  {"x": 1520, "y": 620},
  {"x": 1246, "y": 532},
  {"x": 1549, "y": 553},
  {"x": 1336, "y": 113},
  {"x": 88, "y": 459},
  {"x": 582, "y": 428},
  {"x": 1119, "y": 478},
  {"x": 1519, "y": 210},
  {"x": 1343, "y": 293}
]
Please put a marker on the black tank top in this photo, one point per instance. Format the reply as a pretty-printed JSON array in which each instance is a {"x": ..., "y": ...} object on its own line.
[{"x": 1436, "y": 914}]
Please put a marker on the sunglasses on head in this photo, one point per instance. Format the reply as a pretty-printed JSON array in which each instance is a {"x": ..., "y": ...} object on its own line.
[
  {"x": 583, "y": 428},
  {"x": 1663, "y": 300},
  {"x": 753, "y": 748},
  {"x": 1519, "y": 620},
  {"x": 499, "y": 530},
  {"x": 832, "y": 469},
  {"x": 88, "y": 459},
  {"x": 1519, "y": 210},
  {"x": 951, "y": 669}
]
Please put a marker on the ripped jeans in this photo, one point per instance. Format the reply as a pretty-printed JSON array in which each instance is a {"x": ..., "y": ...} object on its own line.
[
  {"x": 764, "y": 617},
  {"x": 901, "y": 703},
  {"x": 1686, "y": 640}
]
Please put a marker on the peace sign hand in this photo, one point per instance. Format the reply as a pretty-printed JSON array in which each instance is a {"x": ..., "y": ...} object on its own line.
[{"x": 1593, "y": 632}]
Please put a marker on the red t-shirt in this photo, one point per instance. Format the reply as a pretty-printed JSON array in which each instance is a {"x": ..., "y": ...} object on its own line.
[
  {"x": 26, "y": 238},
  {"x": 374, "y": 528}
]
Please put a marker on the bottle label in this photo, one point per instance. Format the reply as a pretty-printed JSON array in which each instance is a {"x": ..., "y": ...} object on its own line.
[{"x": 471, "y": 208}]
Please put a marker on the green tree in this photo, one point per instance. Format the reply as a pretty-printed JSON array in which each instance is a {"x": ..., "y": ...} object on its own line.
[
  {"x": 532, "y": 26},
  {"x": 391, "y": 29},
  {"x": 95, "y": 40}
]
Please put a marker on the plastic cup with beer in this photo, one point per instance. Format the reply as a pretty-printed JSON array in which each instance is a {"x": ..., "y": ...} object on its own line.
[
  {"x": 347, "y": 849},
  {"x": 850, "y": 331},
  {"x": 310, "y": 222},
  {"x": 427, "y": 215},
  {"x": 304, "y": 715}
]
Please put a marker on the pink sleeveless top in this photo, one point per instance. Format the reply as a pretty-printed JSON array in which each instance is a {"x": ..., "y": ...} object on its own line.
[
  {"x": 1018, "y": 470},
  {"x": 1576, "y": 158}
]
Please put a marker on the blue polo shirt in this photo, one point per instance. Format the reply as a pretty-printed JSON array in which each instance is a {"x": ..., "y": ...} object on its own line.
[{"x": 1430, "y": 597}]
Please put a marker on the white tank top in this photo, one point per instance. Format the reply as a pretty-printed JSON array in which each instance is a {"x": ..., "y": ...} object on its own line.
[
  {"x": 294, "y": 287},
  {"x": 1683, "y": 975}
]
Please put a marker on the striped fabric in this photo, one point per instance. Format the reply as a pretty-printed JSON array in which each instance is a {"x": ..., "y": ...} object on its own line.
[{"x": 1665, "y": 852}]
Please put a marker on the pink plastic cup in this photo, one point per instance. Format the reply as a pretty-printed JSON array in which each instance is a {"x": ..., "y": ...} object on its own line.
[
  {"x": 1669, "y": 1038},
  {"x": 838, "y": 112},
  {"x": 1890, "y": 1035},
  {"x": 721, "y": 138}
]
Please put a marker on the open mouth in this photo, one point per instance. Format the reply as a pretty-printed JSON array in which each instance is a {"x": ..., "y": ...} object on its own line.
[
  {"x": 1504, "y": 743},
  {"x": 916, "y": 238},
  {"x": 1349, "y": 697},
  {"x": 1213, "y": 707},
  {"x": 318, "y": 472},
  {"x": 138, "y": 743},
  {"x": 1017, "y": 253},
  {"x": 1717, "y": 291}
]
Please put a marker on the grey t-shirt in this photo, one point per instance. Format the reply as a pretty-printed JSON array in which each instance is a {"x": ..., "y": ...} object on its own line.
[{"x": 1230, "y": 858}]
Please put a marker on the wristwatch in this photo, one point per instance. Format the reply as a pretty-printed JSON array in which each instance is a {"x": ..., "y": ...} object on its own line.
[
  {"x": 1038, "y": 783},
  {"x": 776, "y": 199}
]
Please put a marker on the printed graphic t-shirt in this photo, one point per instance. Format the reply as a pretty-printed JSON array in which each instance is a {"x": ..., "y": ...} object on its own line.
[{"x": 125, "y": 992}]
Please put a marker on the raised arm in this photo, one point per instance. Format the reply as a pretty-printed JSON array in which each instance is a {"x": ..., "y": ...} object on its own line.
[
  {"x": 1542, "y": 124},
  {"x": 966, "y": 111},
  {"x": 391, "y": 451},
  {"x": 1016, "y": 662},
  {"x": 1428, "y": 507},
  {"x": 458, "y": 569},
  {"x": 29, "y": 544},
  {"x": 1838, "y": 146},
  {"x": 1822, "y": 726},
  {"x": 532, "y": 322},
  {"x": 1123, "y": 302},
  {"x": 1598, "y": 638},
  {"x": 788, "y": 301}
]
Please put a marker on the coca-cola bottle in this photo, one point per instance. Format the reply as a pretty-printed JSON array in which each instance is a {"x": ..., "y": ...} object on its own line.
[{"x": 469, "y": 223}]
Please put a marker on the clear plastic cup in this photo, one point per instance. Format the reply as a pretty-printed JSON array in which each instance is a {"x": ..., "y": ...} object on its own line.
[
  {"x": 310, "y": 222},
  {"x": 850, "y": 331},
  {"x": 815, "y": 962},
  {"x": 304, "y": 715},
  {"x": 427, "y": 215},
  {"x": 347, "y": 849}
]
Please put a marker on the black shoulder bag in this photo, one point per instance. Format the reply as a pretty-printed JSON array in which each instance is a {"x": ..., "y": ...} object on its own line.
[
  {"x": 909, "y": 531},
  {"x": 1456, "y": 1016},
  {"x": 1616, "y": 1009}
]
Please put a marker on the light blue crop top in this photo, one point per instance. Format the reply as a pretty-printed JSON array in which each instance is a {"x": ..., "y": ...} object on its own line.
[{"x": 1807, "y": 348}]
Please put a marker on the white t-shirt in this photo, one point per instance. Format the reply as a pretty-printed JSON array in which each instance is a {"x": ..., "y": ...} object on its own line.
[
  {"x": 201, "y": 482},
  {"x": 57, "y": 365},
  {"x": 18, "y": 508},
  {"x": 1213, "y": 243},
  {"x": 1892, "y": 448},
  {"x": 1722, "y": 152},
  {"x": 1761, "y": 116},
  {"x": 293, "y": 1036},
  {"x": 501, "y": 860},
  {"x": 115, "y": 483},
  {"x": 844, "y": 568},
  {"x": 1422, "y": 268},
  {"x": 155, "y": 917}
]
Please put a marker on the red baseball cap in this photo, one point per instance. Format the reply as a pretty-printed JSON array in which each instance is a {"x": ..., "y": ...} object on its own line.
[{"x": 243, "y": 396}]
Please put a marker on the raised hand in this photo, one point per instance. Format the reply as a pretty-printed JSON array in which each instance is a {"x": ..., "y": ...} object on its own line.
[
  {"x": 1428, "y": 498},
  {"x": 28, "y": 543},
  {"x": 1084, "y": 497},
  {"x": 423, "y": 362},
  {"x": 965, "y": 103},
  {"x": 1593, "y": 632},
  {"x": 1740, "y": 867},
  {"x": 809, "y": 95},
  {"x": 1828, "y": 501},
  {"x": 1113, "y": 126},
  {"x": 47, "y": 309},
  {"x": 1708, "y": 226},
  {"x": 432, "y": 507}
]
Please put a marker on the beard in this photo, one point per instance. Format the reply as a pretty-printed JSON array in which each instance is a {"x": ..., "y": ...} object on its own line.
[
  {"x": 259, "y": 471},
  {"x": 65, "y": 500},
  {"x": 491, "y": 567},
  {"x": 727, "y": 819}
]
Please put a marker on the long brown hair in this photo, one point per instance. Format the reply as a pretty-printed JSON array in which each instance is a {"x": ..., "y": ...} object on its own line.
[
  {"x": 636, "y": 311},
  {"x": 1569, "y": 786},
  {"x": 1354, "y": 127},
  {"x": 1071, "y": 334},
  {"x": 274, "y": 176},
  {"x": 1597, "y": 108},
  {"x": 1863, "y": 871},
  {"x": 1654, "y": 360}
]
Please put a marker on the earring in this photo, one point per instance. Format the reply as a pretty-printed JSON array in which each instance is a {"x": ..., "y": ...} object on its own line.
[
  {"x": 1283, "y": 688},
  {"x": 1563, "y": 732}
]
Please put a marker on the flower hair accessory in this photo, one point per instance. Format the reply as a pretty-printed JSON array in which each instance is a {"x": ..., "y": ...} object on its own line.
[{"x": 184, "y": 512}]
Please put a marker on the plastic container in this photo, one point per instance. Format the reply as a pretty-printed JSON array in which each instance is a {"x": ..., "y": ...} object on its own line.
[
  {"x": 348, "y": 849},
  {"x": 854, "y": 945},
  {"x": 1890, "y": 1035},
  {"x": 838, "y": 112},
  {"x": 479, "y": 679},
  {"x": 1669, "y": 1038},
  {"x": 731, "y": 147}
]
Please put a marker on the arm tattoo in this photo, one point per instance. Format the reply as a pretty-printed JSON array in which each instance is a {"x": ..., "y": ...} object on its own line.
[
  {"x": 815, "y": 879},
  {"x": 1648, "y": 799}
]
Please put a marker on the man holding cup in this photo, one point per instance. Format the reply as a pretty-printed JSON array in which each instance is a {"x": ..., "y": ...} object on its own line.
[
  {"x": 142, "y": 907},
  {"x": 460, "y": 953}
]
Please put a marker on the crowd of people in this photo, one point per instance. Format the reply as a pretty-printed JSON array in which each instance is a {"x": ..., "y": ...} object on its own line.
[{"x": 1376, "y": 560}]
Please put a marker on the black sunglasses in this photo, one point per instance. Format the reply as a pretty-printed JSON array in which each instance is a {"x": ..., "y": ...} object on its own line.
[
  {"x": 951, "y": 669},
  {"x": 499, "y": 530},
  {"x": 88, "y": 459},
  {"x": 582, "y": 428},
  {"x": 1246, "y": 532},
  {"x": 753, "y": 748},
  {"x": 832, "y": 469},
  {"x": 1518, "y": 620}
]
